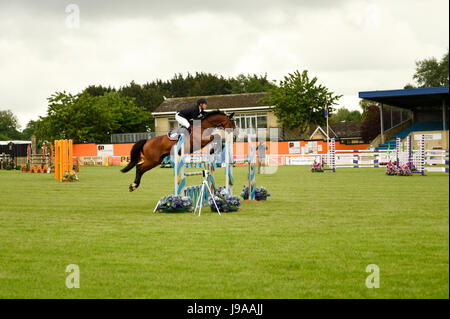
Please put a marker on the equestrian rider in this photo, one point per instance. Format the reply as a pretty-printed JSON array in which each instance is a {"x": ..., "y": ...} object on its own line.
[{"x": 191, "y": 113}]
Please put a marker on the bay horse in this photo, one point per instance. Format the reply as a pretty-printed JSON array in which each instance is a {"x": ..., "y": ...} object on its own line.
[{"x": 157, "y": 148}]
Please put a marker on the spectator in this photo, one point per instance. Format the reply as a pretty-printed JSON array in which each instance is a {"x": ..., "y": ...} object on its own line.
[{"x": 262, "y": 148}]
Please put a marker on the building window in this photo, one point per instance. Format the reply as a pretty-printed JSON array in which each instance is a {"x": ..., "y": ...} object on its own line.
[
  {"x": 262, "y": 121},
  {"x": 173, "y": 124},
  {"x": 246, "y": 121}
]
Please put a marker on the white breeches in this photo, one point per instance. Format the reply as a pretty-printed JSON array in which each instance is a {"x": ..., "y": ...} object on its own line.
[{"x": 182, "y": 121}]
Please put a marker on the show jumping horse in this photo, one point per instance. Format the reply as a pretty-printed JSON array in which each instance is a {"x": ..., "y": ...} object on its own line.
[{"x": 156, "y": 148}]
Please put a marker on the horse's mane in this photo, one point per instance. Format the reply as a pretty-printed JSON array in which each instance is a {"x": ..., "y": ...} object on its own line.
[{"x": 211, "y": 113}]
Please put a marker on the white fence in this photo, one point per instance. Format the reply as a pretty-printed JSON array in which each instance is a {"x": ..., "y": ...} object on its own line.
[{"x": 344, "y": 158}]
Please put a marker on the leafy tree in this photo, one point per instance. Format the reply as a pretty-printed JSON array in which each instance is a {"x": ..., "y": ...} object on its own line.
[
  {"x": 30, "y": 130},
  {"x": 178, "y": 86},
  {"x": 250, "y": 84},
  {"x": 151, "y": 94},
  {"x": 299, "y": 101},
  {"x": 128, "y": 117},
  {"x": 209, "y": 84},
  {"x": 85, "y": 118},
  {"x": 365, "y": 105},
  {"x": 154, "y": 96},
  {"x": 98, "y": 90},
  {"x": 346, "y": 115},
  {"x": 355, "y": 116},
  {"x": 370, "y": 128},
  {"x": 431, "y": 72},
  {"x": 9, "y": 126},
  {"x": 409, "y": 86},
  {"x": 142, "y": 97}
]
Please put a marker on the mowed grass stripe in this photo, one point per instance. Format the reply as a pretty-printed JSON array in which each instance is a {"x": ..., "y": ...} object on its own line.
[{"x": 313, "y": 238}]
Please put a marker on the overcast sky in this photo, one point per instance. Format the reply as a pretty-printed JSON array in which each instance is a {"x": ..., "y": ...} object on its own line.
[{"x": 350, "y": 46}]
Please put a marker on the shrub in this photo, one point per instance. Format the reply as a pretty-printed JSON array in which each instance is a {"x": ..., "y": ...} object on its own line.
[
  {"x": 261, "y": 193},
  {"x": 391, "y": 169},
  {"x": 70, "y": 177},
  {"x": 317, "y": 167},
  {"x": 402, "y": 170},
  {"x": 225, "y": 202},
  {"x": 174, "y": 203}
]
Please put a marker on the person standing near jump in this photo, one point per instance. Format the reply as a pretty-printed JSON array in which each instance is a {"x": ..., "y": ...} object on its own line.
[
  {"x": 262, "y": 148},
  {"x": 191, "y": 113}
]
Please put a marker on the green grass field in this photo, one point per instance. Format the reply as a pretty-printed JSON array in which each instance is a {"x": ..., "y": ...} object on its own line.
[{"x": 313, "y": 238}]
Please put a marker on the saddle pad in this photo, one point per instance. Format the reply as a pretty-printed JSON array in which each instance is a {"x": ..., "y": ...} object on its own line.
[{"x": 175, "y": 133}]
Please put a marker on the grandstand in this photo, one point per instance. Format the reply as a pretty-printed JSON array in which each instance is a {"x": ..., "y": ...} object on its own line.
[
  {"x": 416, "y": 127},
  {"x": 429, "y": 115}
]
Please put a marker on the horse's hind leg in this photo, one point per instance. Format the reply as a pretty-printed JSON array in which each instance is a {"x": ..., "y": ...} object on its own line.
[{"x": 141, "y": 168}]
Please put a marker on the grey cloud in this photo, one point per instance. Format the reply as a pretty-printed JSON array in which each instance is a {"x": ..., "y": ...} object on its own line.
[
  {"x": 350, "y": 45},
  {"x": 136, "y": 8}
]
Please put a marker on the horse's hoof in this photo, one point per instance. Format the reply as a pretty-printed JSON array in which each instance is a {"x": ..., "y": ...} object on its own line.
[{"x": 133, "y": 187}]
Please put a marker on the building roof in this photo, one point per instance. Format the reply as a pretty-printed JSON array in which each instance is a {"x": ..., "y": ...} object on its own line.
[
  {"x": 347, "y": 129},
  {"x": 342, "y": 130},
  {"x": 226, "y": 101},
  {"x": 14, "y": 142},
  {"x": 324, "y": 132},
  {"x": 409, "y": 98}
]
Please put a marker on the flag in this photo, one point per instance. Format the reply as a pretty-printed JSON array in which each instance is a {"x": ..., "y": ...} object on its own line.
[{"x": 326, "y": 107}]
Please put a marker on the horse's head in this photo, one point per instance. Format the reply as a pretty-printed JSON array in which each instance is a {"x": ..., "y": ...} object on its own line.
[
  {"x": 219, "y": 119},
  {"x": 231, "y": 122}
]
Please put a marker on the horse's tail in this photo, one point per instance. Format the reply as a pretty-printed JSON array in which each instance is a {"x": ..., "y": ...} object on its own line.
[{"x": 135, "y": 155}]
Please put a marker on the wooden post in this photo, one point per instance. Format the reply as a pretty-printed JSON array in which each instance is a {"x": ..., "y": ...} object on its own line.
[
  {"x": 57, "y": 159},
  {"x": 70, "y": 154},
  {"x": 63, "y": 159}
]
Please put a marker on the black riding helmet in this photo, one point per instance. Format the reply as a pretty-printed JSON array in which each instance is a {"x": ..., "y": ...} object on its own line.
[{"x": 201, "y": 101}]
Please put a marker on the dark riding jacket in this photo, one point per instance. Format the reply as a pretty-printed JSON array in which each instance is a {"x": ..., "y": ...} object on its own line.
[{"x": 192, "y": 113}]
